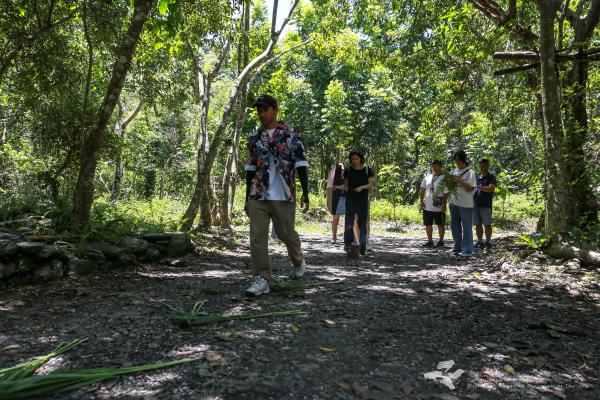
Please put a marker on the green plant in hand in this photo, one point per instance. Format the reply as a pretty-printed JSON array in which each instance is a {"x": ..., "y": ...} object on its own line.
[{"x": 448, "y": 183}]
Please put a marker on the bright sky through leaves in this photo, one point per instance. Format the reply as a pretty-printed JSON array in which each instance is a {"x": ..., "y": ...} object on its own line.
[{"x": 283, "y": 9}]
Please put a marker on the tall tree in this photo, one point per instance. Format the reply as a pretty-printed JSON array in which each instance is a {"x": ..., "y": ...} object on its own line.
[
  {"x": 84, "y": 191},
  {"x": 556, "y": 218},
  {"x": 204, "y": 81},
  {"x": 121, "y": 131},
  {"x": 230, "y": 172},
  {"x": 204, "y": 174},
  {"x": 578, "y": 203}
]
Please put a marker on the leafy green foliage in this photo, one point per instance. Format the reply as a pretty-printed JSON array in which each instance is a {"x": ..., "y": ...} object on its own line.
[
  {"x": 534, "y": 241},
  {"x": 388, "y": 180},
  {"x": 406, "y": 82}
]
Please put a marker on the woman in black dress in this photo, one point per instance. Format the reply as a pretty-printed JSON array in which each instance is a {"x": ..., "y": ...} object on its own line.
[{"x": 358, "y": 181}]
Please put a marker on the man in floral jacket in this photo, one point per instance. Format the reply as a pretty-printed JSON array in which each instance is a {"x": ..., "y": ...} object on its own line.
[{"x": 275, "y": 153}]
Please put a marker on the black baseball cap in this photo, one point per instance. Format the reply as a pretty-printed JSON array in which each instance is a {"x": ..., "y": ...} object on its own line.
[
  {"x": 438, "y": 162},
  {"x": 264, "y": 100}
]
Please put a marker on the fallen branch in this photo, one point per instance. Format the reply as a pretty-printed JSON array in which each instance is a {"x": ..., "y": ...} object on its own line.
[
  {"x": 197, "y": 317},
  {"x": 213, "y": 319},
  {"x": 279, "y": 286},
  {"x": 42, "y": 238},
  {"x": 520, "y": 68},
  {"x": 568, "y": 252}
]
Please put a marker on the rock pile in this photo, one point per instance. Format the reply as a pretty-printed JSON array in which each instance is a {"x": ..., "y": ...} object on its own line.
[{"x": 24, "y": 260}]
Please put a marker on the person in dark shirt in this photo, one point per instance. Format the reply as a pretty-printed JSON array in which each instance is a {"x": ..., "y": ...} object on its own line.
[
  {"x": 483, "y": 197},
  {"x": 358, "y": 181}
]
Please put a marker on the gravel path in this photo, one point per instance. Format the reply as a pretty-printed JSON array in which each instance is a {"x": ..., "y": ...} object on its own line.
[{"x": 518, "y": 328}]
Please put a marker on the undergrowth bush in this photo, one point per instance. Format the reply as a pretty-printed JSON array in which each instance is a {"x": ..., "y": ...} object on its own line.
[
  {"x": 136, "y": 216},
  {"x": 113, "y": 219}
]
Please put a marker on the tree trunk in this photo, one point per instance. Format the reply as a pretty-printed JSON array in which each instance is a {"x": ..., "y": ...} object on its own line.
[
  {"x": 209, "y": 213},
  {"x": 581, "y": 195},
  {"x": 115, "y": 191},
  {"x": 206, "y": 204},
  {"x": 4, "y": 137},
  {"x": 84, "y": 192},
  {"x": 230, "y": 177},
  {"x": 565, "y": 251},
  {"x": 149, "y": 184},
  {"x": 556, "y": 195},
  {"x": 541, "y": 224},
  {"x": 217, "y": 140},
  {"x": 230, "y": 174},
  {"x": 204, "y": 82},
  {"x": 121, "y": 129}
]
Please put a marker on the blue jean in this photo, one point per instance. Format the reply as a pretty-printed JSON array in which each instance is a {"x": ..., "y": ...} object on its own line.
[
  {"x": 359, "y": 208},
  {"x": 461, "y": 224}
]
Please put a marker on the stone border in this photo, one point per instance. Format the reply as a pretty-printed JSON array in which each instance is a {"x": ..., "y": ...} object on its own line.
[{"x": 23, "y": 261}]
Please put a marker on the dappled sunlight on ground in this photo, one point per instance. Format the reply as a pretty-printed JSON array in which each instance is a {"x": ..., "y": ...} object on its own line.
[{"x": 396, "y": 314}]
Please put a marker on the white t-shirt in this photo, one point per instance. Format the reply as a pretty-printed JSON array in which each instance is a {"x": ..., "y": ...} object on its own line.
[
  {"x": 464, "y": 198},
  {"x": 277, "y": 189},
  {"x": 431, "y": 184}
]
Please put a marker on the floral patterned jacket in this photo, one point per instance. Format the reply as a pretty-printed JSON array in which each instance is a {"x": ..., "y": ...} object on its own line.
[{"x": 287, "y": 149}]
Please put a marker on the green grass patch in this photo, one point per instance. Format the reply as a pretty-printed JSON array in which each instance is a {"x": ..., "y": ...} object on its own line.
[
  {"x": 515, "y": 212},
  {"x": 114, "y": 219}
]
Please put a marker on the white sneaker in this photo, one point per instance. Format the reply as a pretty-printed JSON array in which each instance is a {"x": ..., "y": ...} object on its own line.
[
  {"x": 299, "y": 270},
  {"x": 258, "y": 287}
]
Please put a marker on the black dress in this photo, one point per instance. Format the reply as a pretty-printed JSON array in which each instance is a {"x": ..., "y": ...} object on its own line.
[{"x": 357, "y": 204}]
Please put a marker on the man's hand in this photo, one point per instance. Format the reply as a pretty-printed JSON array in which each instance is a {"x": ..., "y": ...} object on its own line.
[
  {"x": 304, "y": 203},
  {"x": 359, "y": 189},
  {"x": 422, "y": 205}
]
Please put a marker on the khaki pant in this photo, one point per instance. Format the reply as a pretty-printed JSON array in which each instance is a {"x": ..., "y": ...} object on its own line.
[{"x": 283, "y": 214}]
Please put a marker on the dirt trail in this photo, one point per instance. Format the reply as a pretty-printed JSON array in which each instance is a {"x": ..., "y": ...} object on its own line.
[{"x": 399, "y": 312}]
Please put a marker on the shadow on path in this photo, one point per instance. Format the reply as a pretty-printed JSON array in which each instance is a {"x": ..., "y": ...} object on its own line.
[{"x": 398, "y": 313}]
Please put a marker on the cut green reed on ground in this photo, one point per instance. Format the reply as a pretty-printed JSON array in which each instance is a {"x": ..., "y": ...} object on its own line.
[
  {"x": 197, "y": 317},
  {"x": 18, "y": 382},
  {"x": 279, "y": 286}
]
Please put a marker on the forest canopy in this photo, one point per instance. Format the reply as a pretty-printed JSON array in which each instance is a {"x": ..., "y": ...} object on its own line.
[{"x": 105, "y": 103}]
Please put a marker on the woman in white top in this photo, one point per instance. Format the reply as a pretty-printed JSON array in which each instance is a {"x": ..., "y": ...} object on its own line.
[{"x": 336, "y": 196}]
